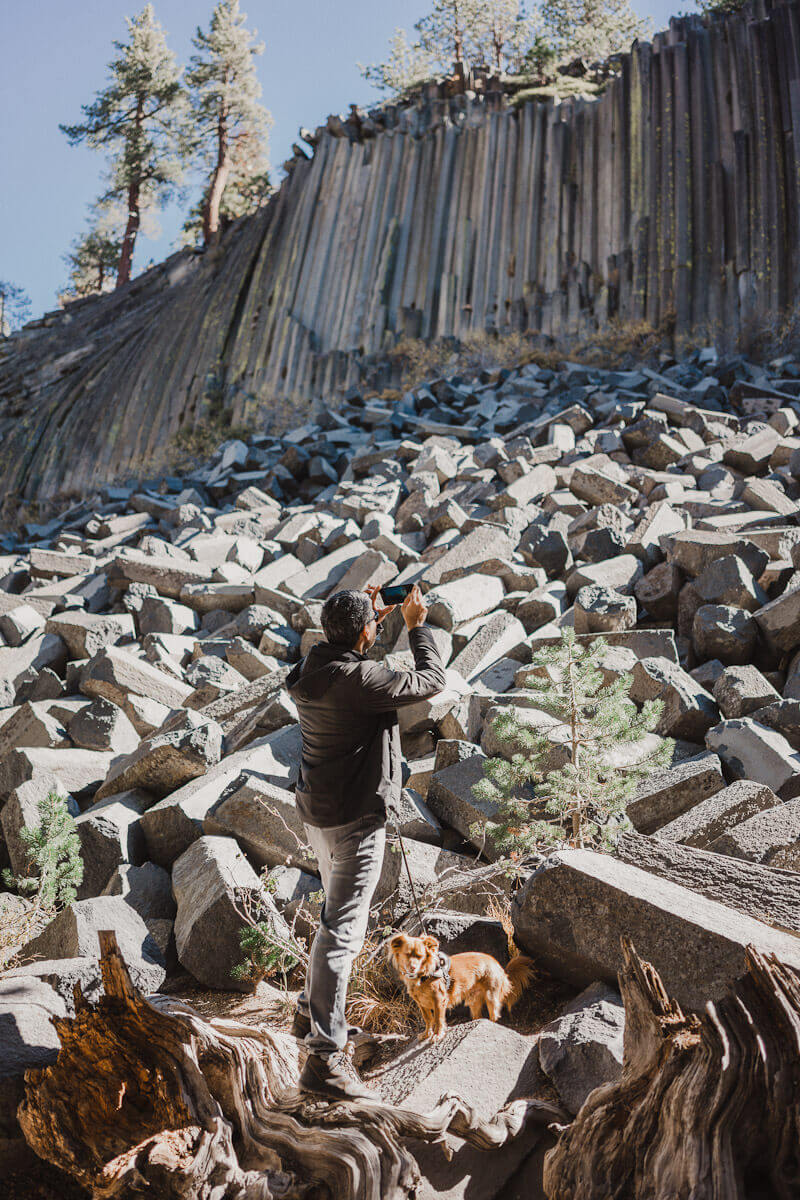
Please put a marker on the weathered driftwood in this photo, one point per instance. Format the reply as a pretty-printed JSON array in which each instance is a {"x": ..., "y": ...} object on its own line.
[
  {"x": 146, "y": 1097},
  {"x": 707, "y": 1107}
]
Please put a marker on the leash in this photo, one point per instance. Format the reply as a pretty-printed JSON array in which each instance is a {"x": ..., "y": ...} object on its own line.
[{"x": 423, "y": 926}]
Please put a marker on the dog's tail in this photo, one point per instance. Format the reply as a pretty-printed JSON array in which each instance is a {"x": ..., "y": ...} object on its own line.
[{"x": 520, "y": 971}]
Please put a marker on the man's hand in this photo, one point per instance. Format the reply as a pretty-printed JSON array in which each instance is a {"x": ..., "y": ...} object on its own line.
[
  {"x": 414, "y": 609},
  {"x": 381, "y": 610}
]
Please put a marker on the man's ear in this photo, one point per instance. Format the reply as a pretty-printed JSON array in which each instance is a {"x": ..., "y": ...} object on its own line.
[{"x": 431, "y": 942}]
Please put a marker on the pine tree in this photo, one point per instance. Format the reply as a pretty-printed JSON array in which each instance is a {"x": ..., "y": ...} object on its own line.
[
  {"x": 449, "y": 33},
  {"x": 591, "y": 29},
  {"x": 584, "y": 800},
  {"x": 230, "y": 122},
  {"x": 15, "y": 307},
  {"x": 55, "y": 866},
  {"x": 94, "y": 258},
  {"x": 139, "y": 119},
  {"x": 407, "y": 65},
  {"x": 504, "y": 34}
]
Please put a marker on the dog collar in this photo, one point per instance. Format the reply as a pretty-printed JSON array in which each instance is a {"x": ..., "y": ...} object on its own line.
[{"x": 442, "y": 970}]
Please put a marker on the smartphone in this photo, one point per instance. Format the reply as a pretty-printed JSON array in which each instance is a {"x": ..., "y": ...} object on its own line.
[{"x": 397, "y": 593}]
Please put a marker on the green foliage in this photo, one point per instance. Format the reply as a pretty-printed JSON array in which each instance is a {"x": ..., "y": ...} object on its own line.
[
  {"x": 15, "y": 307},
  {"x": 582, "y": 802},
  {"x": 591, "y": 29},
  {"x": 508, "y": 37},
  {"x": 55, "y": 867},
  {"x": 93, "y": 260},
  {"x": 140, "y": 122},
  {"x": 406, "y": 66},
  {"x": 229, "y": 123},
  {"x": 267, "y": 951},
  {"x": 498, "y": 33}
]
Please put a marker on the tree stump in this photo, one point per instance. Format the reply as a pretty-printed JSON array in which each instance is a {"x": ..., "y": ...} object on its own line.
[
  {"x": 707, "y": 1107},
  {"x": 147, "y": 1098}
]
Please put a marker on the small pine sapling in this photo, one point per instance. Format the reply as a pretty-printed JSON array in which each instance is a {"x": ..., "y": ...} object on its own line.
[
  {"x": 54, "y": 863},
  {"x": 583, "y": 801},
  {"x": 269, "y": 949}
]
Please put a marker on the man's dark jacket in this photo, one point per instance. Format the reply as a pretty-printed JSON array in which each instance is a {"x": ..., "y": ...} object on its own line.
[{"x": 347, "y": 706}]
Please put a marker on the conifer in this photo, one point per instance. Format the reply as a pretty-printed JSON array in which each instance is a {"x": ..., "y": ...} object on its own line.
[
  {"x": 229, "y": 121},
  {"x": 604, "y": 735},
  {"x": 139, "y": 120},
  {"x": 54, "y": 864},
  {"x": 94, "y": 258}
]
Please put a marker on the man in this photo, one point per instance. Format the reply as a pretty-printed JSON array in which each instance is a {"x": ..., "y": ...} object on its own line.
[{"x": 351, "y": 769}]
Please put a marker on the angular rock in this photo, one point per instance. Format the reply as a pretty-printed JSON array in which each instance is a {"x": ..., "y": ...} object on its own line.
[
  {"x": 84, "y": 634},
  {"x": 689, "y": 711},
  {"x": 497, "y": 637},
  {"x": 742, "y": 690},
  {"x": 600, "y": 609},
  {"x": 166, "y": 761},
  {"x": 451, "y": 604},
  {"x": 702, "y": 824},
  {"x": 752, "y": 751},
  {"x": 265, "y": 822},
  {"x": 115, "y": 673},
  {"x": 620, "y": 573},
  {"x": 582, "y": 1049},
  {"x": 110, "y": 834},
  {"x": 665, "y": 795},
  {"x": 209, "y": 881},
  {"x": 27, "y": 1039},
  {"x": 720, "y": 631},
  {"x": 658, "y": 590},
  {"x": 20, "y": 623},
  {"x": 102, "y": 725},
  {"x": 450, "y": 799},
  {"x": 576, "y": 906},
  {"x": 73, "y": 934},
  {"x": 21, "y": 811},
  {"x": 779, "y": 621},
  {"x": 146, "y": 887},
  {"x": 771, "y": 837},
  {"x": 485, "y": 1063}
]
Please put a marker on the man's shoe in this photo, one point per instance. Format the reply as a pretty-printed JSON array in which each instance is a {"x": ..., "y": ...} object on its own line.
[
  {"x": 324, "y": 1077},
  {"x": 301, "y": 1025}
]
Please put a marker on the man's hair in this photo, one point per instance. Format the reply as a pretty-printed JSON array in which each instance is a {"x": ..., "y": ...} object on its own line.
[{"x": 344, "y": 615}]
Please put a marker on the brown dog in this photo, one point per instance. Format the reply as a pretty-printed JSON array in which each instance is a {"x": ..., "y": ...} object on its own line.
[{"x": 436, "y": 983}]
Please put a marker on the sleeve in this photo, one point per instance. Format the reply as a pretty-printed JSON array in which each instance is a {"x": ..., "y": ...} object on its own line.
[{"x": 381, "y": 690}]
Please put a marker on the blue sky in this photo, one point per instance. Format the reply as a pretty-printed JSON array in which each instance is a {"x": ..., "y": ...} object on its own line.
[{"x": 53, "y": 56}]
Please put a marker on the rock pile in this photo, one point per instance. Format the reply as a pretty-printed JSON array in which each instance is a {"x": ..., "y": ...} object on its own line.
[{"x": 148, "y": 631}]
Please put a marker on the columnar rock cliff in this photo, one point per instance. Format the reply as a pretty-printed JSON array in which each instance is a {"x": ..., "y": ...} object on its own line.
[{"x": 673, "y": 199}]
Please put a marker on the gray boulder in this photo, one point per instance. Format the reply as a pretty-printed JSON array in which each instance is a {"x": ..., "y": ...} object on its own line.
[
  {"x": 73, "y": 934},
  {"x": 771, "y": 837},
  {"x": 711, "y": 818},
  {"x": 166, "y": 761},
  {"x": 110, "y": 834},
  {"x": 582, "y": 1049},
  {"x": 27, "y": 1039},
  {"x": 575, "y": 907},
  {"x": 211, "y": 880}
]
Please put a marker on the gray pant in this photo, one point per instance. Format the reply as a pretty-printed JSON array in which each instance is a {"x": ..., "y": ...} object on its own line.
[{"x": 350, "y": 862}]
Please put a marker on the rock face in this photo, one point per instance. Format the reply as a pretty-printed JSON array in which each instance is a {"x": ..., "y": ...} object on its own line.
[
  {"x": 655, "y": 508},
  {"x": 187, "y": 320}
]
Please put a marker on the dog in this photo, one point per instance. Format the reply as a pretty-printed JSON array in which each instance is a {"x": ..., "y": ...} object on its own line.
[{"x": 436, "y": 983}]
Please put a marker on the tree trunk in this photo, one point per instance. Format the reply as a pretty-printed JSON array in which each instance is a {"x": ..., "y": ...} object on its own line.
[
  {"x": 218, "y": 181},
  {"x": 146, "y": 1097},
  {"x": 134, "y": 214},
  {"x": 707, "y": 1107}
]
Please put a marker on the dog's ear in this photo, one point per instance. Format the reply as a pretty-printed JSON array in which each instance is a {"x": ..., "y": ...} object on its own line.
[
  {"x": 431, "y": 942},
  {"x": 397, "y": 942}
]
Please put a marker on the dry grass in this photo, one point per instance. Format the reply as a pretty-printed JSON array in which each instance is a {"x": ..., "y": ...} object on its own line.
[{"x": 378, "y": 1002}]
